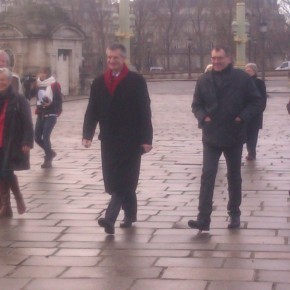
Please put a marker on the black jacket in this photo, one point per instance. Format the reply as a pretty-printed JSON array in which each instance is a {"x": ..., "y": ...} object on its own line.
[
  {"x": 125, "y": 124},
  {"x": 223, "y": 96},
  {"x": 257, "y": 120},
  {"x": 18, "y": 132}
]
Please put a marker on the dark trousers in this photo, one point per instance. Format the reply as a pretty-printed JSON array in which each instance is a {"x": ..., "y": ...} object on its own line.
[
  {"x": 252, "y": 139},
  {"x": 211, "y": 156},
  {"x": 43, "y": 129},
  {"x": 128, "y": 202}
]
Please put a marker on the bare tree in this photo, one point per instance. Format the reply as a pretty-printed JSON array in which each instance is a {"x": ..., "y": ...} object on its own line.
[
  {"x": 276, "y": 39},
  {"x": 284, "y": 6},
  {"x": 95, "y": 18},
  {"x": 199, "y": 20},
  {"x": 143, "y": 37},
  {"x": 169, "y": 22},
  {"x": 222, "y": 15}
]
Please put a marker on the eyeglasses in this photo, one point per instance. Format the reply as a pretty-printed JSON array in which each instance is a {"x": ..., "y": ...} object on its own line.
[{"x": 217, "y": 57}]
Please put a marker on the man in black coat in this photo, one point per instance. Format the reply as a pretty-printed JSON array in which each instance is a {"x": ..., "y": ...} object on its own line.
[
  {"x": 119, "y": 102},
  {"x": 225, "y": 99}
]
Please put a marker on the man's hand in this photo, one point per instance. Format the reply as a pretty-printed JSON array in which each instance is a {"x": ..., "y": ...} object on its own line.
[
  {"x": 87, "y": 143},
  {"x": 207, "y": 119},
  {"x": 146, "y": 148},
  {"x": 25, "y": 149}
]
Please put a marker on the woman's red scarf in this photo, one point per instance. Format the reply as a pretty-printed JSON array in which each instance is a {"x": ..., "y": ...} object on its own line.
[
  {"x": 112, "y": 81},
  {"x": 2, "y": 122}
]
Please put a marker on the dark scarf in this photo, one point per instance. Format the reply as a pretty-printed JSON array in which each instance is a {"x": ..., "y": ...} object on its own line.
[
  {"x": 113, "y": 81},
  {"x": 3, "y": 107},
  {"x": 219, "y": 77}
]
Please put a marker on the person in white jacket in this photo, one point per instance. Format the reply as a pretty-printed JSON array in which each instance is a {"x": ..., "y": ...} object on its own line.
[{"x": 48, "y": 108}]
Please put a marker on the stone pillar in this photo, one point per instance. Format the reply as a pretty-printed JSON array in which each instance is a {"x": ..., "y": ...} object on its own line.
[
  {"x": 124, "y": 33},
  {"x": 240, "y": 35}
]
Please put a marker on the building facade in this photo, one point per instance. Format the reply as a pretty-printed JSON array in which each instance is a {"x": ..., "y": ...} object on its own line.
[
  {"x": 175, "y": 35},
  {"x": 39, "y": 43}
]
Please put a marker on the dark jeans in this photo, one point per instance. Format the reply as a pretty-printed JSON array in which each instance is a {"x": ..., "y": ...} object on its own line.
[
  {"x": 252, "y": 139},
  {"x": 43, "y": 129},
  {"x": 211, "y": 156},
  {"x": 128, "y": 202}
]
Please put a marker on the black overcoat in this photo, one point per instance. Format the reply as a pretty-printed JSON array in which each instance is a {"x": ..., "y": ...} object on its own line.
[
  {"x": 18, "y": 132},
  {"x": 234, "y": 96},
  {"x": 125, "y": 123},
  {"x": 257, "y": 120}
]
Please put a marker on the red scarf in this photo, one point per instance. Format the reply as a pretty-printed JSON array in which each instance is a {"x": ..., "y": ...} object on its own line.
[
  {"x": 2, "y": 122},
  {"x": 113, "y": 81}
]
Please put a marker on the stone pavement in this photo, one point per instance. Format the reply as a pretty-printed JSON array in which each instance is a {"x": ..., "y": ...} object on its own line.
[{"x": 58, "y": 245}]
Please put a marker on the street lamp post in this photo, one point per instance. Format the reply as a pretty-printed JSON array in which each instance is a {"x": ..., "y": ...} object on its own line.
[
  {"x": 189, "y": 46},
  {"x": 263, "y": 30},
  {"x": 124, "y": 21},
  {"x": 240, "y": 27},
  {"x": 149, "y": 42}
]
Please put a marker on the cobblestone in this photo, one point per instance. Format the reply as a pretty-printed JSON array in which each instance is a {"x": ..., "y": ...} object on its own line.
[{"x": 58, "y": 244}]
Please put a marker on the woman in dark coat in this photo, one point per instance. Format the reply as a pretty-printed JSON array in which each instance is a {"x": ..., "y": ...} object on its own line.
[
  {"x": 16, "y": 140},
  {"x": 257, "y": 122}
]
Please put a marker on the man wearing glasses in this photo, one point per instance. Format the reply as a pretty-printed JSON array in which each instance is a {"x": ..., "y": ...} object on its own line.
[{"x": 225, "y": 99}]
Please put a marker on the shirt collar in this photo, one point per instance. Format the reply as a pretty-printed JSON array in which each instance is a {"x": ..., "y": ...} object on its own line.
[{"x": 115, "y": 74}]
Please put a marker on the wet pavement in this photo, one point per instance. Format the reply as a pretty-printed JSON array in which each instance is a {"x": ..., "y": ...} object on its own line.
[{"x": 58, "y": 244}]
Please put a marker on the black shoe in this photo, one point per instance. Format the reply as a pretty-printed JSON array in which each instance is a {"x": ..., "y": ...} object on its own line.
[
  {"x": 234, "y": 222},
  {"x": 46, "y": 164},
  {"x": 109, "y": 227},
  {"x": 52, "y": 154},
  {"x": 127, "y": 223},
  {"x": 199, "y": 225},
  {"x": 250, "y": 157}
]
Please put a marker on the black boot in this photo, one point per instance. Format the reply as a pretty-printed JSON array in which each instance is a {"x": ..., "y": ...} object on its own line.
[
  {"x": 48, "y": 159},
  {"x": 112, "y": 212},
  {"x": 198, "y": 224},
  {"x": 6, "y": 210},
  {"x": 14, "y": 185},
  {"x": 127, "y": 222},
  {"x": 235, "y": 222},
  {"x": 129, "y": 205},
  {"x": 108, "y": 226},
  {"x": 47, "y": 162}
]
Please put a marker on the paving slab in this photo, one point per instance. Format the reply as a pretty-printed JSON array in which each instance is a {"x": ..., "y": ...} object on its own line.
[{"x": 58, "y": 244}]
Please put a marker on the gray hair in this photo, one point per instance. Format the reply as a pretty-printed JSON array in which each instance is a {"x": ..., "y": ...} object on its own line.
[
  {"x": 5, "y": 55},
  {"x": 208, "y": 68},
  {"x": 253, "y": 66},
  {"x": 7, "y": 72},
  {"x": 120, "y": 47}
]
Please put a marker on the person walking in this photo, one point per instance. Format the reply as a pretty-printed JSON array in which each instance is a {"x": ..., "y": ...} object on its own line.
[
  {"x": 119, "y": 102},
  {"x": 17, "y": 88},
  {"x": 257, "y": 122},
  {"x": 48, "y": 108},
  {"x": 16, "y": 140},
  {"x": 225, "y": 99}
]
